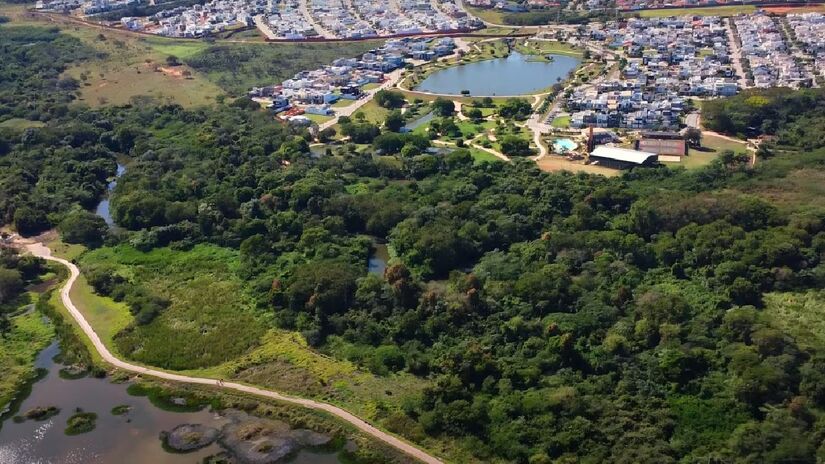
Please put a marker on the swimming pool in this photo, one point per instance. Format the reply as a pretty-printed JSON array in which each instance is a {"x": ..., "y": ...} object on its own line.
[{"x": 564, "y": 145}]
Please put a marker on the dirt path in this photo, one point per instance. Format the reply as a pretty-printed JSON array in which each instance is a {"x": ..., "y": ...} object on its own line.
[{"x": 38, "y": 249}]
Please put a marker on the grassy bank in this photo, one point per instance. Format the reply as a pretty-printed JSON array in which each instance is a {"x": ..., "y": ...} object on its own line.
[{"x": 28, "y": 336}]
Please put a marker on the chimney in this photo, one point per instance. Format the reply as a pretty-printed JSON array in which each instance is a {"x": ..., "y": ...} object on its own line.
[{"x": 590, "y": 142}]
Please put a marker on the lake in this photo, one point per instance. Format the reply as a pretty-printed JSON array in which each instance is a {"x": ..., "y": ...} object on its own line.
[
  {"x": 127, "y": 439},
  {"x": 102, "y": 209},
  {"x": 515, "y": 75}
]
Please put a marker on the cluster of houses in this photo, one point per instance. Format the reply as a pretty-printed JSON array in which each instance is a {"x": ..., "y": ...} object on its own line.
[
  {"x": 370, "y": 18},
  {"x": 339, "y": 20},
  {"x": 286, "y": 20},
  {"x": 809, "y": 32},
  {"x": 60, "y": 6},
  {"x": 770, "y": 59},
  {"x": 198, "y": 20},
  {"x": 86, "y": 7},
  {"x": 631, "y": 5},
  {"x": 315, "y": 91},
  {"x": 665, "y": 61}
]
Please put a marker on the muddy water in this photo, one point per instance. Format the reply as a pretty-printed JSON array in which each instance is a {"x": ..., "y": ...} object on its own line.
[{"x": 128, "y": 439}]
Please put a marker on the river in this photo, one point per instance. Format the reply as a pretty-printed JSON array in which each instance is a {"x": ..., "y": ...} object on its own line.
[
  {"x": 126, "y": 439},
  {"x": 516, "y": 74},
  {"x": 102, "y": 209}
]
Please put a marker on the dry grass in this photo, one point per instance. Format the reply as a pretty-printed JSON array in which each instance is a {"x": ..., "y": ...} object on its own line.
[
  {"x": 128, "y": 65},
  {"x": 557, "y": 163}
]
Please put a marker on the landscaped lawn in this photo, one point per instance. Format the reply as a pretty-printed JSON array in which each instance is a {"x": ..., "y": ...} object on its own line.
[
  {"x": 545, "y": 47},
  {"x": 480, "y": 156},
  {"x": 342, "y": 103},
  {"x": 561, "y": 122},
  {"x": 373, "y": 112},
  {"x": 714, "y": 147},
  {"x": 318, "y": 118}
]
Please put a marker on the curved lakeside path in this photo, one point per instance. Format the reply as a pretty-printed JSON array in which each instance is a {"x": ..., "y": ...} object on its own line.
[{"x": 40, "y": 250}]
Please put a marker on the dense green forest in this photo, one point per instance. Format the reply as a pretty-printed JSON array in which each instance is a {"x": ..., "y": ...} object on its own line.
[
  {"x": 794, "y": 118},
  {"x": 556, "y": 317}
]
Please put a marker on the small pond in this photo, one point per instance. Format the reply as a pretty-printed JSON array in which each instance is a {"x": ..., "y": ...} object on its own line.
[
  {"x": 132, "y": 438},
  {"x": 378, "y": 259},
  {"x": 102, "y": 209},
  {"x": 515, "y": 75}
]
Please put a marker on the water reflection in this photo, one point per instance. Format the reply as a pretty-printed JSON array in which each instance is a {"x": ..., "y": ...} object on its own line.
[
  {"x": 378, "y": 259},
  {"x": 102, "y": 209},
  {"x": 515, "y": 75},
  {"x": 127, "y": 439}
]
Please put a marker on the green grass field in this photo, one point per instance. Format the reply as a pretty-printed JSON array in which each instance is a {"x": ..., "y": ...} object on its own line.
[
  {"x": 372, "y": 112},
  {"x": 18, "y": 124},
  {"x": 481, "y": 156},
  {"x": 318, "y": 118},
  {"x": 130, "y": 66},
  {"x": 561, "y": 122},
  {"x": 713, "y": 146},
  {"x": 544, "y": 47}
]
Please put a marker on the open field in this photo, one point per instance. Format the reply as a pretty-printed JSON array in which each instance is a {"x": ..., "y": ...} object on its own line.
[
  {"x": 132, "y": 65},
  {"x": 237, "y": 67},
  {"x": 544, "y": 47},
  {"x": 481, "y": 156},
  {"x": 557, "y": 163},
  {"x": 713, "y": 146},
  {"x": 800, "y": 190},
  {"x": 727, "y": 10},
  {"x": 18, "y": 124},
  {"x": 372, "y": 112},
  {"x": 782, "y": 10},
  {"x": 126, "y": 67},
  {"x": 318, "y": 118},
  {"x": 488, "y": 14}
]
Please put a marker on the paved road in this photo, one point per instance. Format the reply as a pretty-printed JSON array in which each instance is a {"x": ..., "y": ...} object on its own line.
[
  {"x": 260, "y": 23},
  {"x": 693, "y": 119},
  {"x": 303, "y": 5},
  {"x": 736, "y": 54},
  {"x": 38, "y": 249}
]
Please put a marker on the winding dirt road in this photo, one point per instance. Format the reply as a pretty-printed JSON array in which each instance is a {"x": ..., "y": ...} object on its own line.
[{"x": 38, "y": 249}]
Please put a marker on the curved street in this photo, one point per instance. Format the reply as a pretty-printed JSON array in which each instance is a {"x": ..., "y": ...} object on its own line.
[{"x": 42, "y": 251}]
